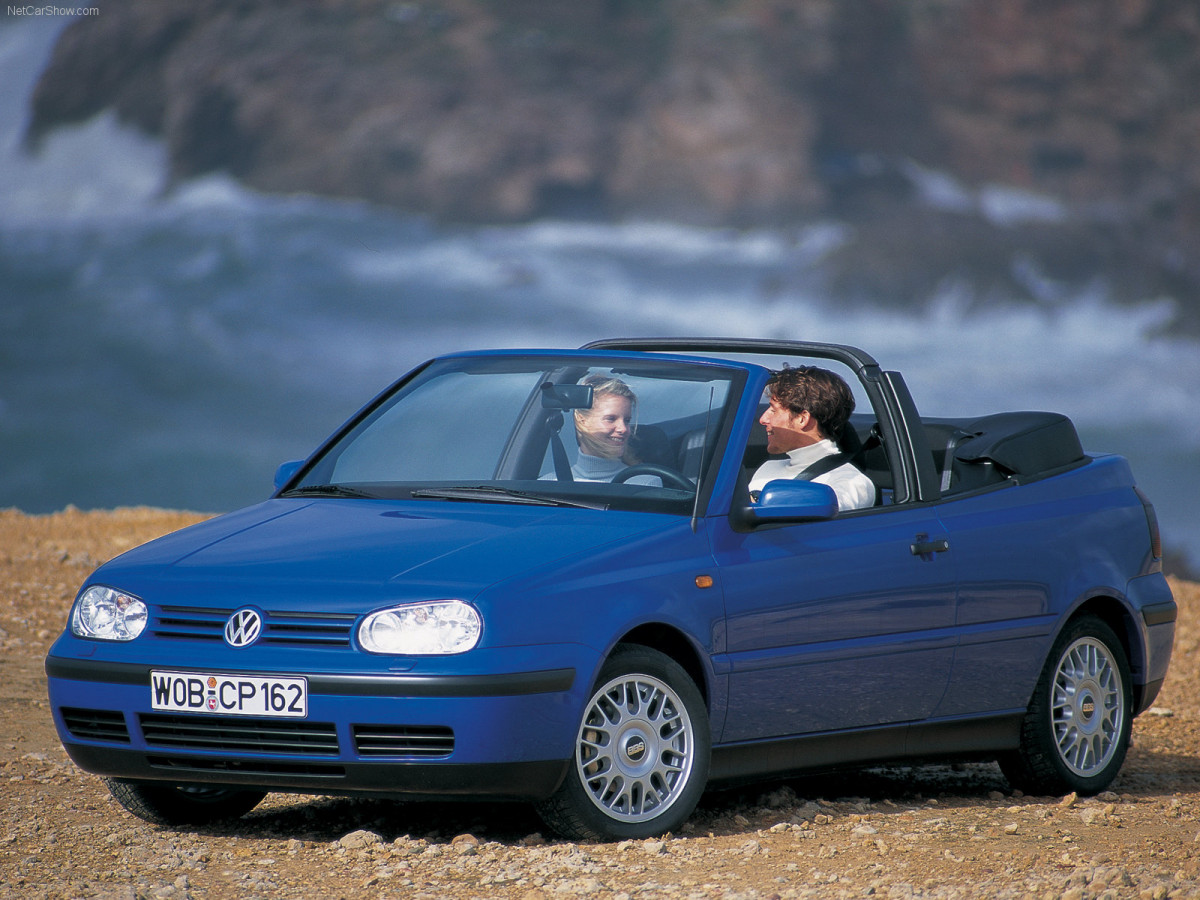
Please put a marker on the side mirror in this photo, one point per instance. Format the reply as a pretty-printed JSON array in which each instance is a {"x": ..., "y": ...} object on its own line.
[
  {"x": 285, "y": 472},
  {"x": 792, "y": 501}
]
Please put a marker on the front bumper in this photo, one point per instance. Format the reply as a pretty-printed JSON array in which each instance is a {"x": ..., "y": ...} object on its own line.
[
  {"x": 506, "y": 736},
  {"x": 399, "y": 779}
]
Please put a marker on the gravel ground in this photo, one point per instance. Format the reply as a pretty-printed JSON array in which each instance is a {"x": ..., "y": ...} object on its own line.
[{"x": 932, "y": 831}]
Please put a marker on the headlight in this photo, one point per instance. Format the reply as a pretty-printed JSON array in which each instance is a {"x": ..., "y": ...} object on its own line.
[
  {"x": 108, "y": 615},
  {"x": 422, "y": 629}
]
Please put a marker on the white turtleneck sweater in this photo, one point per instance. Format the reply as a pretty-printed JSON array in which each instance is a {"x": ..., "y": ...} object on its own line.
[
  {"x": 599, "y": 468},
  {"x": 854, "y": 490}
]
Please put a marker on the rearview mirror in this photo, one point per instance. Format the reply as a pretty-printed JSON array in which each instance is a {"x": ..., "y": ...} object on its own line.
[{"x": 566, "y": 396}]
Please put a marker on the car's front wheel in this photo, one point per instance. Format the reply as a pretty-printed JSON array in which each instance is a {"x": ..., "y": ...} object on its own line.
[
  {"x": 641, "y": 752},
  {"x": 1076, "y": 731},
  {"x": 170, "y": 804}
]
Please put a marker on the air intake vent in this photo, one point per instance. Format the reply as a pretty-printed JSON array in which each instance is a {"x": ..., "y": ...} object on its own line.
[
  {"x": 234, "y": 735},
  {"x": 420, "y": 741},
  {"x": 96, "y": 725}
]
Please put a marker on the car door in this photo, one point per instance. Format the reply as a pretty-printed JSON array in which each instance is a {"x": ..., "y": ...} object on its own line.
[
  {"x": 835, "y": 624},
  {"x": 1017, "y": 550}
]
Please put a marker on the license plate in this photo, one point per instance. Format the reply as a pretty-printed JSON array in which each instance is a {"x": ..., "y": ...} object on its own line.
[{"x": 232, "y": 695}]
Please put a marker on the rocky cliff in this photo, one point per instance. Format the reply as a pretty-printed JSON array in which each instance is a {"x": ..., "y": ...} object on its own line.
[{"x": 714, "y": 111}]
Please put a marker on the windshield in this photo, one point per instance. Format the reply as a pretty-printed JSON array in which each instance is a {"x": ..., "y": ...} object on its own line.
[{"x": 536, "y": 429}]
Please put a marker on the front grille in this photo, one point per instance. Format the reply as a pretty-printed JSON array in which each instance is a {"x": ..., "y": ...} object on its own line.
[
  {"x": 96, "y": 724},
  {"x": 292, "y": 628},
  {"x": 424, "y": 741},
  {"x": 232, "y": 734},
  {"x": 187, "y": 622}
]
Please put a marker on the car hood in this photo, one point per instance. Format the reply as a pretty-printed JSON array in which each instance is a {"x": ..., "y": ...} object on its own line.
[{"x": 366, "y": 546}]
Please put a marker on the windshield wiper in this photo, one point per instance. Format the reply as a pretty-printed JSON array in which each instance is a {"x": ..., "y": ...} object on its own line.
[
  {"x": 328, "y": 490},
  {"x": 492, "y": 494}
]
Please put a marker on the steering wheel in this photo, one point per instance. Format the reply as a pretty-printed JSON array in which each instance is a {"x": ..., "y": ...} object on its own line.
[{"x": 676, "y": 478}]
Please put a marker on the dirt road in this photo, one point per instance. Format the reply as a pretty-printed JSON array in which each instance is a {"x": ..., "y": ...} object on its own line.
[{"x": 937, "y": 831}]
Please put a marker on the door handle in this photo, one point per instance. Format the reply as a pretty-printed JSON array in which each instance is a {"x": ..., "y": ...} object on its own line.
[{"x": 925, "y": 548}]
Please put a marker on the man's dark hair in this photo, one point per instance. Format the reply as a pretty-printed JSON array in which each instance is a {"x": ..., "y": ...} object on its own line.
[{"x": 824, "y": 394}]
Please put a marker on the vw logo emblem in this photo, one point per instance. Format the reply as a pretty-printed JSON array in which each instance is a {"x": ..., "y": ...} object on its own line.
[{"x": 243, "y": 628}]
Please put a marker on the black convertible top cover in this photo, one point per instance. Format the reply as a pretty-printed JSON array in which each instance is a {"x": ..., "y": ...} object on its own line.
[{"x": 1022, "y": 443}]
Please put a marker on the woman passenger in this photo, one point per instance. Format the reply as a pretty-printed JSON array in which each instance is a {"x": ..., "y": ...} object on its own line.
[{"x": 603, "y": 432}]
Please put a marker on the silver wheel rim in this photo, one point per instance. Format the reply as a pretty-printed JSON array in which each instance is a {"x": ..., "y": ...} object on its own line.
[
  {"x": 1087, "y": 707},
  {"x": 635, "y": 748}
]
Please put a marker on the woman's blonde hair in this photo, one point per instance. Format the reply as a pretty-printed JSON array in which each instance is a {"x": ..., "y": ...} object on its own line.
[{"x": 601, "y": 385}]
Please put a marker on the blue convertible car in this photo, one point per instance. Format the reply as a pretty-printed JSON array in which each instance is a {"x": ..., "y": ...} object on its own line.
[{"x": 541, "y": 576}]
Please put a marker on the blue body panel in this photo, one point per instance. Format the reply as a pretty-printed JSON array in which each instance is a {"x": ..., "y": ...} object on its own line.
[
  {"x": 834, "y": 625},
  {"x": 1026, "y": 558}
]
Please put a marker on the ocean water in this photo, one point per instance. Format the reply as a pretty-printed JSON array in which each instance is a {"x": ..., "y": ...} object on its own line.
[{"x": 172, "y": 346}]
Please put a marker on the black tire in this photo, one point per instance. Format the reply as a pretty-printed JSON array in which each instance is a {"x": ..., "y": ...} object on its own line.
[
  {"x": 641, "y": 753},
  {"x": 1076, "y": 732},
  {"x": 171, "y": 804}
]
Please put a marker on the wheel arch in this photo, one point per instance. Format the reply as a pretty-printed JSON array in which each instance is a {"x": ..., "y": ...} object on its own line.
[
  {"x": 675, "y": 644},
  {"x": 1113, "y": 613}
]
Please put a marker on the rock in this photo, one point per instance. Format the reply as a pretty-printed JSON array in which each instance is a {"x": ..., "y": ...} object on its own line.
[
  {"x": 1094, "y": 816},
  {"x": 784, "y": 796},
  {"x": 751, "y": 848},
  {"x": 481, "y": 113},
  {"x": 358, "y": 840}
]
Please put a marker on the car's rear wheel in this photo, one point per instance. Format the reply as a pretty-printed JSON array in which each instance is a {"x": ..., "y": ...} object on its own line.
[
  {"x": 170, "y": 804},
  {"x": 641, "y": 752},
  {"x": 1076, "y": 732}
]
